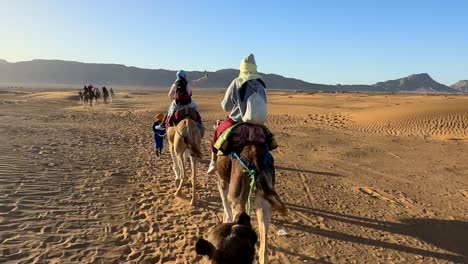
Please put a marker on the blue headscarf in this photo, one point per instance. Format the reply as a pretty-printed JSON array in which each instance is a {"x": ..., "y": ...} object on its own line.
[{"x": 181, "y": 75}]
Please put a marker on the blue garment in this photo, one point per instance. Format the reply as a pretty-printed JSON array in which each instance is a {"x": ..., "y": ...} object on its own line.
[{"x": 159, "y": 134}]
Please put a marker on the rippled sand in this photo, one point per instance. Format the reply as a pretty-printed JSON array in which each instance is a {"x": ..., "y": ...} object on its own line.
[{"x": 367, "y": 179}]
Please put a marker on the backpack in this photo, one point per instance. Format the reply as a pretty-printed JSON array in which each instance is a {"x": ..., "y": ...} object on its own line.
[
  {"x": 256, "y": 108},
  {"x": 182, "y": 97}
]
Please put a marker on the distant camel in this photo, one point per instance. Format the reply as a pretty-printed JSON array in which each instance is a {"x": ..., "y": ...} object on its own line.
[
  {"x": 185, "y": 138},
  {"x": 97, "y": 94},
  {"x": 233, "y": 185},
  {"x": 88, "y": 97},
  {"x": 105, "y": 94}
]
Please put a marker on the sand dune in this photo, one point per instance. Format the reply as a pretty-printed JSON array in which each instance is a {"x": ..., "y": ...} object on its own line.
[
  {"x": 446, "y": 119},
  {"x": 367, "y": 179}
]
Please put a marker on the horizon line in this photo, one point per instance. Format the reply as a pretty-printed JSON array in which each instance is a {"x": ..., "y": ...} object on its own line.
[{"x": 130, "y": 66}]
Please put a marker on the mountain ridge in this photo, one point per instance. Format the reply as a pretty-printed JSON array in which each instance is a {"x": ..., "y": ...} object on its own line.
[
  {"x": 41, "y": 71},
  {"x": 461, "y": 86}
]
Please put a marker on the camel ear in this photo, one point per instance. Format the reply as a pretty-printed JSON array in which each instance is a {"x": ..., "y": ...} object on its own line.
[
  {"x": 244, "y": 219},
  {"x": 203, "y": 247}
]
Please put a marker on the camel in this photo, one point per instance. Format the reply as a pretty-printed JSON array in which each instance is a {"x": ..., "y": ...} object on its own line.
[
  {"x": 185, "y": 138},
  {"x": 88, "y": 97},
  {"x": 105, "y": 94},
  {"x": 233, "y": 185},
  {"x": 230, "y": 242},
  {"x": 97, "y": 95}
]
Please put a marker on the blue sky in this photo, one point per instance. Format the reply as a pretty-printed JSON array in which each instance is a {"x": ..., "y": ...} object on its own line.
[{"x": 318, "y": 41}]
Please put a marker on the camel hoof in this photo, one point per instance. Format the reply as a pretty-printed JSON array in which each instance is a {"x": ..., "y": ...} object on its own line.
[{"x": 177, "y": 183}]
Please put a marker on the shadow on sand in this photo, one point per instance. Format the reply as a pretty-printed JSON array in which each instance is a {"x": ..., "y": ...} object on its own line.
[
  {"x": 321, "y": 173},
  {"x": 450, "y": 235}
]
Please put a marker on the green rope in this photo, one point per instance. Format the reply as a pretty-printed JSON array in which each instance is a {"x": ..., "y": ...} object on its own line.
[{"x": 252, "y": 178}]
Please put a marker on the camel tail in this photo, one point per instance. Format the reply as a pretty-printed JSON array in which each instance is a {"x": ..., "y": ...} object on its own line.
[
  {"x": 276, "y": 202},
  {"x": 194, "y": 148},
  {"x": 196, "y": 152},
  {"x": 266, "y": 183}
]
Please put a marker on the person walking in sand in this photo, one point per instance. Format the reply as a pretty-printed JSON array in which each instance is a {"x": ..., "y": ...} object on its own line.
[
  {"x": 181, "y": 94},
  {"x": 158, "y": 134}
]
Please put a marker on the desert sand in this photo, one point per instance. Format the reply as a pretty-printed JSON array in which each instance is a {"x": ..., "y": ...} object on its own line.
[{"x": 367, "y": 179}]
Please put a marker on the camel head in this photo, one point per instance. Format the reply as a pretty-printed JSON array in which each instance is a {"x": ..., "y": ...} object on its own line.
[{"x": 230, "y": 242}]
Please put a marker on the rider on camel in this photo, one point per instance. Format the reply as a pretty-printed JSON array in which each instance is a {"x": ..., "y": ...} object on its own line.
[
  {"x": 181, "y": 95},
  {"x": 248, "y": 82}
]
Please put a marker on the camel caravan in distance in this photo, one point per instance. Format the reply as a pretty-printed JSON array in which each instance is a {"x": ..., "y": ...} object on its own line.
[{"x": 90, "y": 93}]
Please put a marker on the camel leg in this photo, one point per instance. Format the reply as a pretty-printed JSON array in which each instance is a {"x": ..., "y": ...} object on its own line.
[
  {"x": 187, "y": 156},
  {"x": 175, "y": 165},
  {"x": 223, "y": 188},
  {"x": 238, "y": 193},
  {"x": 180, "y": 159},
  {"x": 193, "y": 166},
  {"x": 264, "y": 217}
]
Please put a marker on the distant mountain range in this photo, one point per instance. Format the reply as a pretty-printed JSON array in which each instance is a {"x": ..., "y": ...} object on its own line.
[
  {"x": 461, "y": 86},
  {"x": 77, "y": 73}
]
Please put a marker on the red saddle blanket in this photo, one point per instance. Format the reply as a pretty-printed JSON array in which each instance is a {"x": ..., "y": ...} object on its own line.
[
  {"x": 180, "y": 114},
  {"x": 242, "y": 134}
]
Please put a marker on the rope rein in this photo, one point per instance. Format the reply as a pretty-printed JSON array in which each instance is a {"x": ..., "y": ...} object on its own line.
[
  {"x": 177, "y": 131},
  {"x": 252, "y": 178}
]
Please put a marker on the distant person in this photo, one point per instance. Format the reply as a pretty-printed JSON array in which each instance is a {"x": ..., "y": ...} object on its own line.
[
  {"x": 181, "y": 94},
  {"x": 105, "y": 94},
  {"x": 235, "y": 101},
  {"x": 97, "y": 93},
  {"x": 111, "y": 92},
  {"x": 159, "y": 133}
]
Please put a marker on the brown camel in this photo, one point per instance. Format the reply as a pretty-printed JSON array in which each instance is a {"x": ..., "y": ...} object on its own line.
[
  {"x": 233, "y": 186},
  {"x": 230, "y": 242},
  {"x": 88, "y": 97},
  {"x": 183, "y": 138}
]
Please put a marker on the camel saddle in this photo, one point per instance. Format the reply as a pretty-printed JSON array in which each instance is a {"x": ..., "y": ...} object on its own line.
[
  {"x": 243, "y": 133},
  {"x": 181, "y": 114}
]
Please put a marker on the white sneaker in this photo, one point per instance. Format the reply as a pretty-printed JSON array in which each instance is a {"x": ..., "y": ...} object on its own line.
[{"x": 212, "y": 167}]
